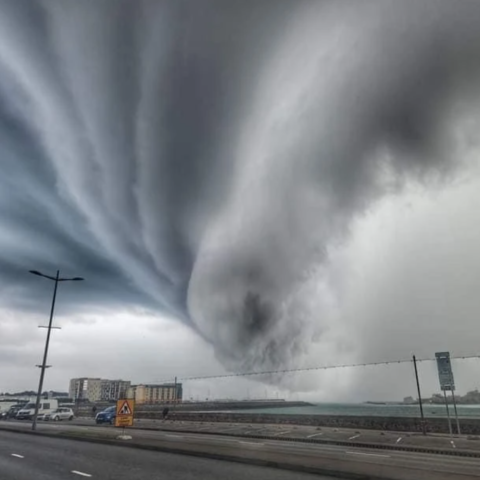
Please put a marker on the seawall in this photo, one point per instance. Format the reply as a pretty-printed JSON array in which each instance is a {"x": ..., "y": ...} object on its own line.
[{"x": 399, "y": 424}]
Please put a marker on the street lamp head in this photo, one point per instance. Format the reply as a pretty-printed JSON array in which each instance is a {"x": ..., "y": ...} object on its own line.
[{"x": 77, "y": 279}]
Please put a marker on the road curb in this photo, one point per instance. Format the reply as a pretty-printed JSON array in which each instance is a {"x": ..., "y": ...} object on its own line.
[{"x": 213, "y": 456}]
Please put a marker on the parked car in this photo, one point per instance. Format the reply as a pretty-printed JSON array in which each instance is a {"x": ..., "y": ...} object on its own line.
[
  {"x": 60, "y": 414},
  {"x": 12, "y": 411},
  {"x": 107, "y": 416}
]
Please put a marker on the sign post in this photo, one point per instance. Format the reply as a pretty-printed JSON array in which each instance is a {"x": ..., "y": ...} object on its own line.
[
  {"x": 124, "y": 417},
  {"x": 445, "y": 376},
  {"x": 448, "y": 413},
  {"x": 455, "y": 409}
]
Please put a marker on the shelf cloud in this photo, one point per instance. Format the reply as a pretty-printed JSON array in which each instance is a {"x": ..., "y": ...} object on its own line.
[{"x": 203, "y": 158}]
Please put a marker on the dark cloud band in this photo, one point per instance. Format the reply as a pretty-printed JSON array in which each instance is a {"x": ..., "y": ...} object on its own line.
[{"x": 201, "y": 158}]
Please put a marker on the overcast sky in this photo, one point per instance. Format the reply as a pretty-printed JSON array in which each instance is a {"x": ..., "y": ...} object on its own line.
[{"x": 245, "y": 186}]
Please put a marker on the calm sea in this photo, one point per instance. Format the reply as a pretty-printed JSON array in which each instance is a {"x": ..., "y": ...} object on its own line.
[{"x": 472, "y": 411}]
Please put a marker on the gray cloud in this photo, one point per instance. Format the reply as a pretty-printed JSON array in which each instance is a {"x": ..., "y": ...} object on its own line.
[{"x": 202, "y": 158}]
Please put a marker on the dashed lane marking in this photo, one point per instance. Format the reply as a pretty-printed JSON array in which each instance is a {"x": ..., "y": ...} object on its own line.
[
  {"x": 453, "y": 444},
  {"x": 173, "y": 436},
  {"x": 82, "y": 474},
  {"x": 251, "y": 443},
  {"x": 314, "y": 435},
  {"x": 399, "y": 439},
  {"x": 354, "y": 437},
  {"x": 17, "y": 455},
  {"x": 281, "y": 433}
]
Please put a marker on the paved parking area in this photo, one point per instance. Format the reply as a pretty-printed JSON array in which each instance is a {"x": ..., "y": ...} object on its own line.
[{"x": 308, "y": 433}]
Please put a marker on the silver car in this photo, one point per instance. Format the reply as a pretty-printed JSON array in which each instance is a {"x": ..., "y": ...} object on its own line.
[{"x": 60, "y": 414}]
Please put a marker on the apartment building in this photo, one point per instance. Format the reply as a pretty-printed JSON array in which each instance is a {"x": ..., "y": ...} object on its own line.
[
  {"x": 85, "y": 388},
  {"x": 97, "y": 389},
  {"x": 154, "y": 394},
  {"x": 114, "y": 389}
]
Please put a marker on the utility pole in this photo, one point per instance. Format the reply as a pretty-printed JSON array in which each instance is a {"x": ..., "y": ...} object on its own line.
[
  {"x": 424, "y": 431},
  {"x": 44, "y": 365}
]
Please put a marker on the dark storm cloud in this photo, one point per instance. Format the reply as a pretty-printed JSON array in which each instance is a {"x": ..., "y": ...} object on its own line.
[
  {"x": 41, "y": 232},
  {"x": 201, "y": 157}
]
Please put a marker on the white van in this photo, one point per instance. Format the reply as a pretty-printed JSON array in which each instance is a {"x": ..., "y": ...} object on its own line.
[{"x": 46, "y": 406}]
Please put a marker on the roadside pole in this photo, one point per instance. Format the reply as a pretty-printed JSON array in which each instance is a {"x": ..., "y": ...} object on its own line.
[
  {"x": 175, "y": 396},
  {"x": 445, "y": 377},
  {"x": 44, "y": 365},
  {"x": 424, "y": 431},
  {"x": 448, "y": 413},
  {"x": 456, "y": 414},
  {"x": 175, "y": 392}
]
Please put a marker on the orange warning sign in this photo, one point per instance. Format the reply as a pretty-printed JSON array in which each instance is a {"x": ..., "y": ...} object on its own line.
[{"x": 125, "y": 409}]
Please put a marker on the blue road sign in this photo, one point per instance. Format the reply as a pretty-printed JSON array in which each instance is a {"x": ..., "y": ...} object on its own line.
[{"x": 445, "y": 374}]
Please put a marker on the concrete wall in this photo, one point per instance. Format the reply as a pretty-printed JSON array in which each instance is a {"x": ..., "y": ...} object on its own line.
[
  {"x": 434, "y": 425},
  {"x": 84, "y": 408}
]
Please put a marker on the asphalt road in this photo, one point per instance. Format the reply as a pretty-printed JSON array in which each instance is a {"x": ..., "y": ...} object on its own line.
[
  {"x": 357, "y": 436},
  {"x": 25, "y": 457},
  {"x": 385, "y": 463}
]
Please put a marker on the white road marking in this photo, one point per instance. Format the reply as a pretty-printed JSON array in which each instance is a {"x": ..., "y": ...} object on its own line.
[
  {"x": 173, "y": 436},
  {"x": 17, "y": 455},
  {"x": 251, "y": 443},
  {"x": 82, "y": 474},
  {"x": 314, "y": 435},
  {"x": 399, "y": 440},
  {"x": 368, "y": 454},
  {"x": 453, "y": 444},
  {"x": 354, "y": 437},
  {"x": 282, "y": 433}
]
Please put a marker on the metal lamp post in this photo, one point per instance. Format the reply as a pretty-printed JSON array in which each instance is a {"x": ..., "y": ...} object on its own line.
[{"x": 44, "y": 365}]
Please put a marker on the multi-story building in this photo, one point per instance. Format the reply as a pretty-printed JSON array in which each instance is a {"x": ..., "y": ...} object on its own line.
[
  {"x": 97, "y": 389},
  {"x": 85, "y": 388},
  {"x": 160, "y": 393},
  {"x": 114, "y": 389}
]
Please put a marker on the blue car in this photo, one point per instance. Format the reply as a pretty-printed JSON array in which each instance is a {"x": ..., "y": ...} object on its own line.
[{"x": 107, "y": 416}]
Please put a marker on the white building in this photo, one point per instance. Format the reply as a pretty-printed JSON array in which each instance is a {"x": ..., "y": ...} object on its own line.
[
  {"x": 97, "y": 389},
  {"x": 114, "y": 389},
  {"x": 85, "y": 388}
]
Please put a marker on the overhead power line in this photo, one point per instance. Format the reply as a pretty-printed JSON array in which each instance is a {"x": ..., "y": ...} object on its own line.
[{"x": 321, "y": 367}]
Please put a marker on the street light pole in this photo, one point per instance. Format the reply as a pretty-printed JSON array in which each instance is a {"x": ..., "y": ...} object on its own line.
[{"x": 44, "y": 366}]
